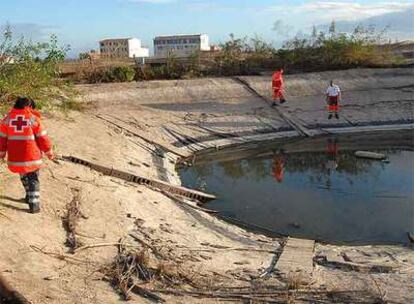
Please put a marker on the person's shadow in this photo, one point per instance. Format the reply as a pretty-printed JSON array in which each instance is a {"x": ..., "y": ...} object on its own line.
[{"x": 14, "y": 200}]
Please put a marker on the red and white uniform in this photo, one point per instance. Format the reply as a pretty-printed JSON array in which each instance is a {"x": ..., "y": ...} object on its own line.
[
  {"x": 333, "y": 93},
  {"x": 23, "y": 138}
]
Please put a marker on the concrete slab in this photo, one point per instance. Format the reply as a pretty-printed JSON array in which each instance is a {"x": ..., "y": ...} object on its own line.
[{"x": 296, "y": 260}]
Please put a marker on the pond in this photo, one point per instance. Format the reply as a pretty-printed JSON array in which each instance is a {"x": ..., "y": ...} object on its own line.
[{"x": 317, "y": 189}]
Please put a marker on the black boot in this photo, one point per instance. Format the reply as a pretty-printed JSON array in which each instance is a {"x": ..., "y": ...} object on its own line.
[
  {"x": 282, "y": 101},
  {"x": 274, "y": 104},
  {"x": 34, "y": 208},
  {"x": 330, "y": 116},
  {"x": 336, "y": 116},
  {"x": 33, "y": 192}
]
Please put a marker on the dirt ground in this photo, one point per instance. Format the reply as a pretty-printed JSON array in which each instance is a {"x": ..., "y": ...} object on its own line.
[{"x": 185, "y": 118}]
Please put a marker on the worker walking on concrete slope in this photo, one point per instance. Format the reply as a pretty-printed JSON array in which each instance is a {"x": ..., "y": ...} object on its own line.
[
  {"x": 333, "y": 97},
  {"x": 278, "y": 87},
  {"x": 23, "y": 139}
]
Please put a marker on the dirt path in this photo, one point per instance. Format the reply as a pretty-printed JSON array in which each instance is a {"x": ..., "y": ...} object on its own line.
[{"x": 188, "y": 117}]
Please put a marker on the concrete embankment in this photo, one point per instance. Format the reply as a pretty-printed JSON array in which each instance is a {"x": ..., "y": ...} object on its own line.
[
  {"x": 203, "y": 115},
  {"x": 208, "y": 113},
  {"x": 143, "y": 129}
]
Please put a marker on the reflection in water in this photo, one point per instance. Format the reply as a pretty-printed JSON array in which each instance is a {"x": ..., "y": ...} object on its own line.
[
  {"x": 278, "y": 166},
  {"x": 331, "y": 164},
  {"x": 329, "y": 195}
]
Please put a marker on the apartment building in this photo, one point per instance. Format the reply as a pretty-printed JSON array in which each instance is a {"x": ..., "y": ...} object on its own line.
[
  {"x": 180, "y": 45},
  {"x": 122, "y": 48}
]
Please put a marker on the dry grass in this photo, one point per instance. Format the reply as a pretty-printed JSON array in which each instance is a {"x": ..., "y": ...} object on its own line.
[
  {"x": 133, "y": 269},
  {"x": 79, "y": 70},
  {"x": 70, "y": 221},
  {"x": 147, "y": 274}
]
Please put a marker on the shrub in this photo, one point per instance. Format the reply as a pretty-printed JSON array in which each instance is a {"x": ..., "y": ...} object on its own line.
[
  {"x": 172, "y": 69},
  {"x": 120, "y": 74},
  {"x": 31, "y": 69},
  {"x": 332, "y": 50},
  {"x": 109, "y": 74}
]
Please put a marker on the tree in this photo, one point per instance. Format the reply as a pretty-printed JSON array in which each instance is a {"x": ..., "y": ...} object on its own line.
[{"x": 332, "y": 28}]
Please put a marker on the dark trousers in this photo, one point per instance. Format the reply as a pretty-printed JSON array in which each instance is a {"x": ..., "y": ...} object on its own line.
[{"x": 31, "y": 184}]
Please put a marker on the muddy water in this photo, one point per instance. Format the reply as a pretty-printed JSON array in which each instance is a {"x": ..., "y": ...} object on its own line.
[{"x": 326, "y": 194}]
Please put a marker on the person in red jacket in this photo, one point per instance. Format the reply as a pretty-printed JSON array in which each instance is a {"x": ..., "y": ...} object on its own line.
[
  {"x": 278, "y": 87},
  {"x": 23, "y": 139}
]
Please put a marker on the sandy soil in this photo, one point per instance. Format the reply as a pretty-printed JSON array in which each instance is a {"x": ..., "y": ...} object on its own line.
[{"x": 35, "y": 259}]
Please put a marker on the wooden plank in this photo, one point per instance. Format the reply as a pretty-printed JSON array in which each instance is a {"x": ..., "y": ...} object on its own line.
[
  {"x": 190, "y": 193},
  {"x": 286, "y": 117},
  {"x": 297, "y": 259}
]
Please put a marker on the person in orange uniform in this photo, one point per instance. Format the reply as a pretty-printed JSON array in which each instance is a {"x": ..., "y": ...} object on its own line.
[
  {"x": 278, "y": 166},
  {"x": 278, "y": 87},
  {"x": 23, "y": 139}
]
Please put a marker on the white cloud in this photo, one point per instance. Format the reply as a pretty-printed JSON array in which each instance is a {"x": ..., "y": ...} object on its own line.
[
  {"x": 340, "y": 10},
  {"x": 352, "y": 10}
]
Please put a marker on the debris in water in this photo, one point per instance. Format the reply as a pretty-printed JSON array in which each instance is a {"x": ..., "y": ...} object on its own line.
[{"x": 371, "y": 155}]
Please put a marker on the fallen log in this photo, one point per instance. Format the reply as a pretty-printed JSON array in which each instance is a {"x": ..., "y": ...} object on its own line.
[
  {"x": 370, "y": 155},
  {"x": 146, "y": 293},
  {"x": 10, "y": 296}
]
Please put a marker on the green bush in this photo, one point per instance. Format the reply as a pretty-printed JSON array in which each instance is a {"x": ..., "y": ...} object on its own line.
[
  {"x": 110, "y": 74},
  {"x": 31, "y": 69},
  {"x": 332, "y": 50},
  {"x": 120, "y": 74},
  {"x": 172, "y": 69}
]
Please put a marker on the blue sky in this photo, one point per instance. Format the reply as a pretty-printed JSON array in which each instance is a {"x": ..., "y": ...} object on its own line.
[{"x": 81, "y": 23}]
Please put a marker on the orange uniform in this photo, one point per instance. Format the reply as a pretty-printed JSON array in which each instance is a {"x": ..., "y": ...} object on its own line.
[
  {"x": 23, "y": 138},
  {"x": 277, "y": 85},
  {"x": 278, "y": 167}
]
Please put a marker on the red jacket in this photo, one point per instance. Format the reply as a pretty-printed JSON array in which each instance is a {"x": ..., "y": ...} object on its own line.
[
  {"x": 23, "y": 138},
  {"x": 277, "y": 80}
]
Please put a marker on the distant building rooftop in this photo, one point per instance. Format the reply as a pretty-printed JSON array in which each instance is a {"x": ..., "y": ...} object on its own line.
[
  {"x": 178, "y": 35},
  {"x": 107, "y": 39}
]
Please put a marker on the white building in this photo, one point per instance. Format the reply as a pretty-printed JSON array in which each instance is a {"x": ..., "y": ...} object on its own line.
[
  {"x": 180, "y": 45},
  {"x": 122, "y": 48}
]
